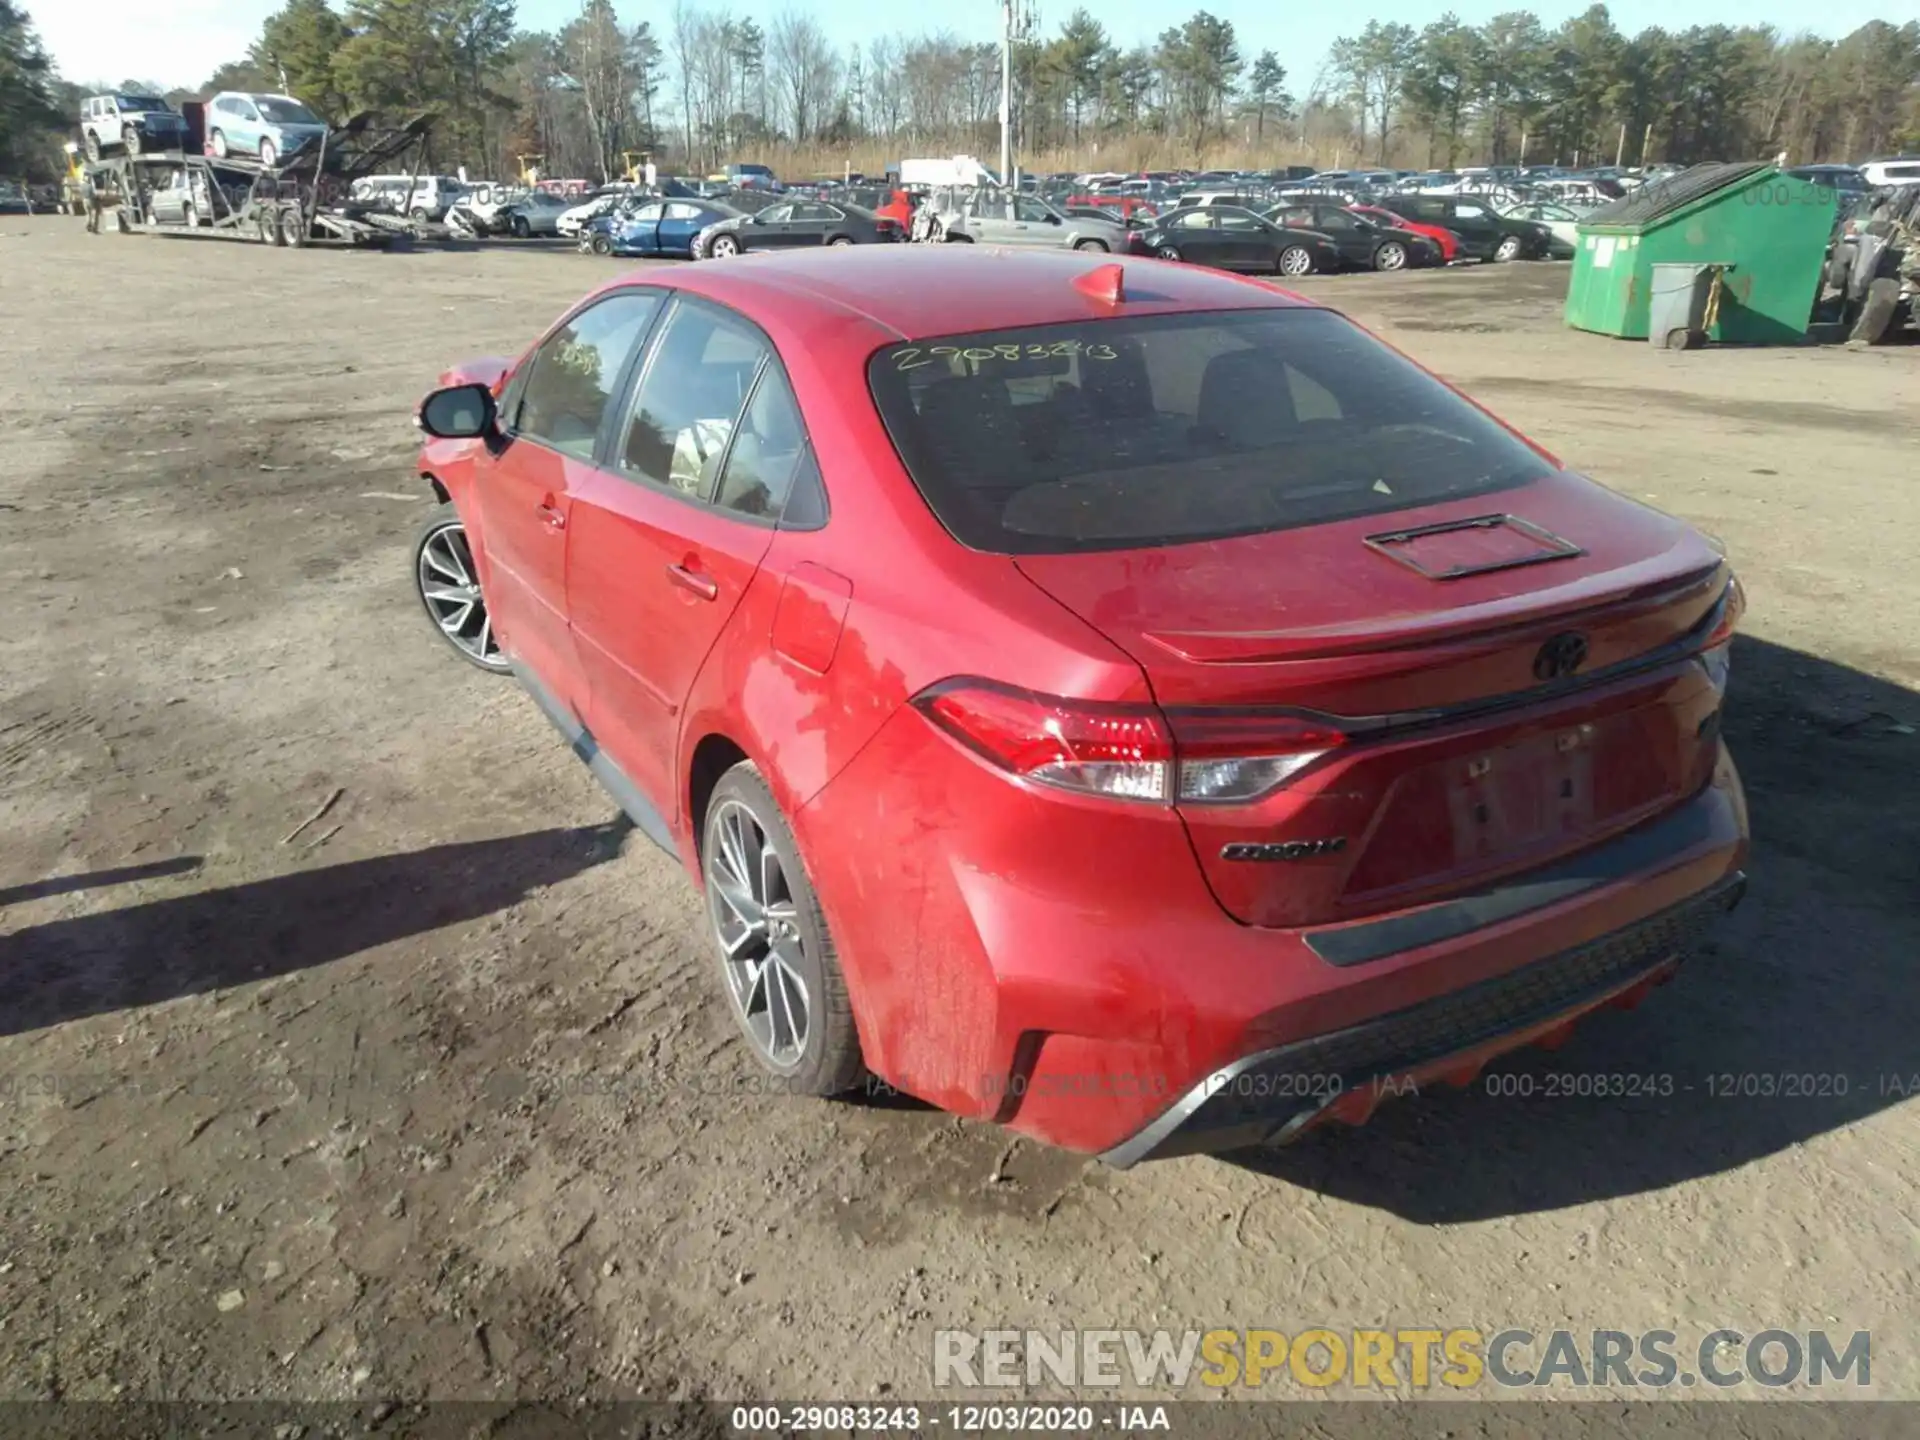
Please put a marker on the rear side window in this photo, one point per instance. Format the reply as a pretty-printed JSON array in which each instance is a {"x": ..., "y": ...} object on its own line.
[
  {"x": 1126, "y": 433},
  {"x": 766, "y": 451}
]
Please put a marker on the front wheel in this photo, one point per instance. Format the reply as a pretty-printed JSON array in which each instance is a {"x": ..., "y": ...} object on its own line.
[
  {"x": 1508, "y": 249},
  {"x": 777, "y": 961},
  {"x": 1098, "y": 245},
  {"x": 723, "y": 247},
  {"x": 522, "y": 230},
  {"x": 1295, "y": 260},
  {"x": 269, "y": 155},
  {"x": 601, "y": 245},
  {"x": 1167, "y": 252},
  {"x": 448, "y": 584},
  {"x": 130, "y": 137},
  {"x": 219, "y": 140},
  {"x": 1392, "y": 255}
]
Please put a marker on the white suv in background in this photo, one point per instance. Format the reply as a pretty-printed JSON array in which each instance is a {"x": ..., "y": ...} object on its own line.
[
  {"x": 427, "y": 197},
  {"x": 1901, "y": 170}
]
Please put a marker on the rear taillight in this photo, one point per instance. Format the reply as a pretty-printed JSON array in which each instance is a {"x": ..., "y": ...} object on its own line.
[
  {"x": 1130, "y": 752},
  {"x": 1716, "y": 651},
  {"x": 1241, "y": 757}
]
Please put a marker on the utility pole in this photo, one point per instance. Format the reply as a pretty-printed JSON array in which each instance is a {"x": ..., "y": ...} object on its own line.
[
  {"x": 1646, "y": 145},
  {"x": 1006, "y": 92},
  {"x": 1620, "y": 153}
]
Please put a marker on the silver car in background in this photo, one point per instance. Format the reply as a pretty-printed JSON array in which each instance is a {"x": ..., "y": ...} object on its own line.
[{"x": 996, "y": 217}]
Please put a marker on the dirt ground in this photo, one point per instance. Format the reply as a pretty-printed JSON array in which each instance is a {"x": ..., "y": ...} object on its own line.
[{"x": 436, "y": 1098}]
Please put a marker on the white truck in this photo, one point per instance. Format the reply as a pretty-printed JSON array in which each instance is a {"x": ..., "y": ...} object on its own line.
[{"x": 956, "y": 170}]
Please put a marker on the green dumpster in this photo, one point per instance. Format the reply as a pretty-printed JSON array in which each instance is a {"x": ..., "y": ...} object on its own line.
[{"x": 1765, "y": 232}]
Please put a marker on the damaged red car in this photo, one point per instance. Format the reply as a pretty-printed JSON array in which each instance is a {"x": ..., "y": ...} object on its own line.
[{"x": 1118, "y": 700}]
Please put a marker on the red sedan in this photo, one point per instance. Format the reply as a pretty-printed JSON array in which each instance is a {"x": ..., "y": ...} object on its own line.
[
  {"x": 1115, "y": 699},
  {"x": 1124, "y": 207},
  {"x": 1448, "y": 242}
]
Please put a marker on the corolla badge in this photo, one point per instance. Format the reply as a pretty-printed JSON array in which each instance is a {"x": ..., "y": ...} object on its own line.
[{"x": 1285, "y": 849}]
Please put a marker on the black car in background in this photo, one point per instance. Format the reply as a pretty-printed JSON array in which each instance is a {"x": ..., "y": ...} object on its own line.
[
  {"x": 1228, "y": 237},
  {"x": 1362, "y": 243},
  {"x": 791, "y": 224},
  {"x": 1485, "y": 234}
]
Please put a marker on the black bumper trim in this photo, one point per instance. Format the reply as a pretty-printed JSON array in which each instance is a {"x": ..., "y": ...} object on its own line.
[
  {"x": 1272, "y": 1095},
  {"x": 1636, "y": 852}
]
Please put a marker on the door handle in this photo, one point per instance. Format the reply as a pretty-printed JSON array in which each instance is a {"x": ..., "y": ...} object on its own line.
[
  {"x": 705, "y": 586},
  {"x": 551, "y": 517}
]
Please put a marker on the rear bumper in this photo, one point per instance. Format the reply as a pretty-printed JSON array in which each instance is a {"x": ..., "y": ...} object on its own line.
[
  {"x": 1277, "y": 1095},
  {"x": 1061, "y": 966}
]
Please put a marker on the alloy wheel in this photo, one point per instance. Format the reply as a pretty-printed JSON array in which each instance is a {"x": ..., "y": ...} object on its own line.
[
  {"x": 723, "y": 247},
  {"x": 1167, "y": 252},
  {"x": 1509, "y": 248},
  {"x": 1390, "y": 256},
  {"x": 1294, "y": 260},
  {"x": 763, "y": 951},
  {"x": 445, "y": 575}
]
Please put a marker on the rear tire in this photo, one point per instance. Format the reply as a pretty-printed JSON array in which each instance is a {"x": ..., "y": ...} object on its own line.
[
  {"x": 93, "y": 147},
  {"x": 218, "y": 140},
  {"x": 781, "y": 975},
  {"x": 841, "y": 240},
  {"x": 293, "y": 227}
]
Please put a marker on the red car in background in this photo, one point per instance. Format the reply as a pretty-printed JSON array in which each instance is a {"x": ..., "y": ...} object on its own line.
[
  {"x": 1116, "y": 699},
  {"x": 1127, "y": 206},
  {"x": 1448, "y": 242}
]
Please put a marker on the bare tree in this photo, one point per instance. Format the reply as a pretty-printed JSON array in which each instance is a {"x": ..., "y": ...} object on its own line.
[
  {"x": 601, "y": 60},
  {"x": 805, "y": 72}
]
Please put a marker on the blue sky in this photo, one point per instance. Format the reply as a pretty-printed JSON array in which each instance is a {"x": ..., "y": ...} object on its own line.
[{"x": 183, "y": 41}]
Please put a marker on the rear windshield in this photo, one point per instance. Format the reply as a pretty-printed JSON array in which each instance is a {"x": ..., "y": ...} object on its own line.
[{"x": 1131, "y": 432}]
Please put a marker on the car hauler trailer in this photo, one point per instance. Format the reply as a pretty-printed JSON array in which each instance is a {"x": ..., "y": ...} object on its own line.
[{"x": 304, "y": 200}]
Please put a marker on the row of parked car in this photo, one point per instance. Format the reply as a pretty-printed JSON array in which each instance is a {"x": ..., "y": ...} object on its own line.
[{"x": 1309, "y": 234}]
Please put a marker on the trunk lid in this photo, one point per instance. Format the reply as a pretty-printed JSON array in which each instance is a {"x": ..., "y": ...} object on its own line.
[{"x": 1475, "y": 751}]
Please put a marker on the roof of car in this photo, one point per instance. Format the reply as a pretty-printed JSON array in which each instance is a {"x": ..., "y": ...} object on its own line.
[{"x": 922, "y": 290}]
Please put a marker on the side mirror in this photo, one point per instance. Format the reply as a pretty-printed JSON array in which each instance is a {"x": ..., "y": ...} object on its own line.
[{"x": 460, "y": 412}]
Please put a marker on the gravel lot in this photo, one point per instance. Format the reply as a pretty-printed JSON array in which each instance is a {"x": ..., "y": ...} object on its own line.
[{"x": 436, "y": 1099}]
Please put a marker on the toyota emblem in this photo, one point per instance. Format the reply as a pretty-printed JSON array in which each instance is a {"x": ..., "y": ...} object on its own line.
[{"x": 1560, "y": 656}]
